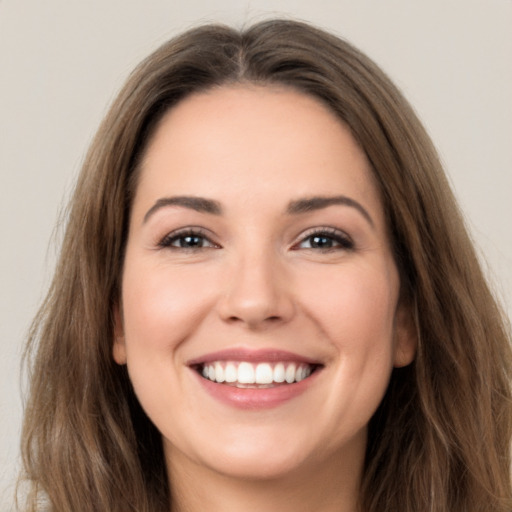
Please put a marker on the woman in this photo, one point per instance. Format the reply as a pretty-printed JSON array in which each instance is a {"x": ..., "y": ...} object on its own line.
[{"x": 266, "y": 297}]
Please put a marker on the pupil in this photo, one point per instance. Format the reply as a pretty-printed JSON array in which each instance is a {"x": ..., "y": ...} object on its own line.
[
  {"x": 321, "y": 242},
  {"x": 191, "y": 241}
]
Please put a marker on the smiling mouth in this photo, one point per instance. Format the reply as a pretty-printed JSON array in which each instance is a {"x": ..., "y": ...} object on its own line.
[{"x": 243, "y": 374}]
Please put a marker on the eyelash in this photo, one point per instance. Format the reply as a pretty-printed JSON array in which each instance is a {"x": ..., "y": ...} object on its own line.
[
  {"x": 342, "y": 240},
  {"x": 175, "y": 236}
]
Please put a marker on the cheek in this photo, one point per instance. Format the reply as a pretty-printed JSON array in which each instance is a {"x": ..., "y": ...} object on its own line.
[
  {"x": 355, "y": 308},
  {"x": 162, "y": 308},
  {"x": 161, "y": 305},
  {"x": 354, "y": 304}
]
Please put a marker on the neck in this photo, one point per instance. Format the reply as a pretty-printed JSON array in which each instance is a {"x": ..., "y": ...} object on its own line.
[{"x": 333, "y": 487}]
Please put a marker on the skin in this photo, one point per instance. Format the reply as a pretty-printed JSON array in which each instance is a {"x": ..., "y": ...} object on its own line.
[{"x": 259, "y": 282}]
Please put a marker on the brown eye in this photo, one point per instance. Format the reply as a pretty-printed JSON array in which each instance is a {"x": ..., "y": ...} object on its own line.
[
  {"x": 321, "y": 242},
  {"x": 190, "y": 240},
  {"x": 326, "y": 240}
]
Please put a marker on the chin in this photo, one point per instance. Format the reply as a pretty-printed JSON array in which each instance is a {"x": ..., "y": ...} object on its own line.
[
  {"x": 260, "y": 467},
  {"x": 250, "y": 454}
]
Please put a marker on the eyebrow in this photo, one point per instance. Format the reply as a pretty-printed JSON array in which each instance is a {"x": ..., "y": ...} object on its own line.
[
  {"x": 199, "y": 204},
  {"x": 204, "y": 205},
  {"x": 317, "y": 203}
]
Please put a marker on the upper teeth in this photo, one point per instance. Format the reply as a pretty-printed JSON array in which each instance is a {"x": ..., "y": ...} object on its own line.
[{"x": 261, "y": 373}]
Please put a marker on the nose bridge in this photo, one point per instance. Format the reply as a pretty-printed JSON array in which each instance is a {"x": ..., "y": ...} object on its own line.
[{"x": 256, "y": 290}]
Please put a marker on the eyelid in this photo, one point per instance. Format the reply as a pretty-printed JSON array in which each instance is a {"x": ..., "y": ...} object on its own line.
[
  {"x": 340, "y": 236},
  {"x": 165, "y": 241}
]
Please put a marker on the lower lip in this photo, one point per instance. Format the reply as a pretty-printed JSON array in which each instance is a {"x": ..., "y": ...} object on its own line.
[{"x": 256, "y": 398}]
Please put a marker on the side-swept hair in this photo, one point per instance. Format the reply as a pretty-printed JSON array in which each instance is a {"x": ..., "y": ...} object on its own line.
[{"x": 440, "y": 440}]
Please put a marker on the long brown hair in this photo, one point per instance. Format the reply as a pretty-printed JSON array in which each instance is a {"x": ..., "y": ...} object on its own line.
[{"x": 440, "y": 440}]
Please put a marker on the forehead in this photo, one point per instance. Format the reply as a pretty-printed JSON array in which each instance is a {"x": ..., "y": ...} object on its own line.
[{"x": 245, "y": 141}]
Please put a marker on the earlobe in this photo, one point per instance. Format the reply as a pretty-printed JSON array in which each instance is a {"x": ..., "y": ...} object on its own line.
[
  {"x": 406, "y": 337},
  {"x": 118, "y": 347}
]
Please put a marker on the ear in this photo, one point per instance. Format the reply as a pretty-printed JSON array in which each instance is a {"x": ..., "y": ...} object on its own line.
[
  {"x": 406, "y": 337},
  {"x": 119, "y": 346}
]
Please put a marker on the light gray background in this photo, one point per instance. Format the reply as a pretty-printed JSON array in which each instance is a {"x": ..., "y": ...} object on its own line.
[{"x": 62, "y": 61}]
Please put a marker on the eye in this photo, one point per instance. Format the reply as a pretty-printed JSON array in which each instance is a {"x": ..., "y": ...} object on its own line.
[
  {"x": 325, "y": 239},
  {"x": 189, "y": 239}
]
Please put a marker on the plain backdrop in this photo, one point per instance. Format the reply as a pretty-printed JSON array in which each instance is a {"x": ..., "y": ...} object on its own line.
[{"x": 62, "y": 62}]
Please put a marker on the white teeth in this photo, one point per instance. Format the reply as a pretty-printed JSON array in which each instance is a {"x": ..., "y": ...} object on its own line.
[
  {"x": 230, "y": 373},
  {"x": 279, "y": 373},
  {"x": 290, "y": 373},
  {"x": 265, "y": 374},
  {"x": 219, "y": 373},
  {"x": 246, "y": 373}
]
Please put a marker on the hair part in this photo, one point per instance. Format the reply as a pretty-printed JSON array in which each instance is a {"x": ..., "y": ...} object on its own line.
[{"x": 440, "y": 439}]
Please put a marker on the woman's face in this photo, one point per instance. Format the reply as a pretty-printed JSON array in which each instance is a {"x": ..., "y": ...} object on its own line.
[{"x": 259, "y": 318}]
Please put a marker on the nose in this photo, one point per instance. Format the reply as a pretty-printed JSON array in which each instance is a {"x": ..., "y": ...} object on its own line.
[{"x": 257, "y": 293}]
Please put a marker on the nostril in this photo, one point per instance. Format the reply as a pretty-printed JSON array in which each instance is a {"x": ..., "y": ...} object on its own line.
[
  {"x": 254, "y": 322},
  {"x": 255, "y": 306}
]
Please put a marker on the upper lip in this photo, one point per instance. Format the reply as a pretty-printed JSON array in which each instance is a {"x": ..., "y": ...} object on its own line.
[{"x": 256, "y": 356}]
